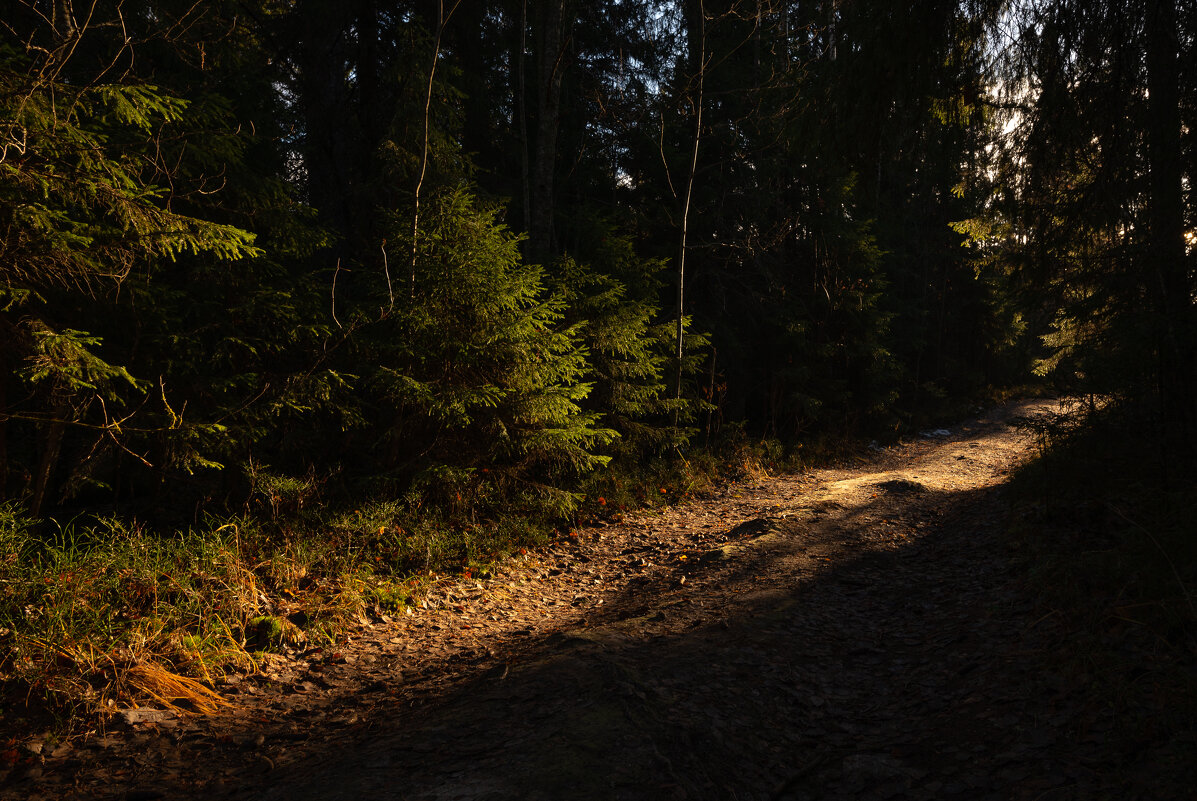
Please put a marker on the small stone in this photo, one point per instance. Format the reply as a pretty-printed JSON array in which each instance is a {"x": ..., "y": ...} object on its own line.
[
  {"x": 144, "y": 716},
  {"x": 717, "y": 555},
  {"x": 900, "y": 486}
]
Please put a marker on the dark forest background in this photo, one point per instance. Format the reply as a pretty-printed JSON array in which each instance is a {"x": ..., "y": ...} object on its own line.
[{"x": 362, "y": 273}]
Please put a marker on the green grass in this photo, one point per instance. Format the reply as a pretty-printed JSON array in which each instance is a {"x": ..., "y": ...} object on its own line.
[
  {"x": 106, "y": 614},
  {"x": 103, "y": 614},
  {"x": 88, "y": 612},
  {"x": 99, "y": 616}
]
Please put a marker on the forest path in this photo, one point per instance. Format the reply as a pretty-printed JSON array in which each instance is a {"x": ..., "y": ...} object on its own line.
[{"x": 855, "y": 633}]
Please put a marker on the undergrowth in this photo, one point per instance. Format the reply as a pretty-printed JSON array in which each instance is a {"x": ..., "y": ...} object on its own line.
[
  {"x": 102, "y": 614},
  {"x": 1105, "y": 525}
]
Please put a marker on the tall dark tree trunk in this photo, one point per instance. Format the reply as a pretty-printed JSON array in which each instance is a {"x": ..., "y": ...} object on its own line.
[
  {"x": 322, "y": 90},
  {"x": 551, "y": 30},
  {"x": 369, "y": 108},
  {"x": 1166, "y": 214},
  {"x": 517, "y": 76},
  {"x": 478, "y": 135},
  {"x": 4, "y": 373},
  {"x": 51, "y": 447}
]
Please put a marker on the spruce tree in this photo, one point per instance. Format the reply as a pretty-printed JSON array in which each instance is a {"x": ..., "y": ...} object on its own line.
[
  {"x": 476, "y": 384},
  {"x": 87, "y": 204}
]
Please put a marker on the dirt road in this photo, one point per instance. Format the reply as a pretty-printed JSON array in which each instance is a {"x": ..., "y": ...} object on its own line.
[{"x": 856, "y": 633}]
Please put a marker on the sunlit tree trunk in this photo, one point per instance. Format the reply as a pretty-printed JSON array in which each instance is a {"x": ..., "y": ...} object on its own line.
[
  {"x": 441, "y": 19},
  {"x": 696, "y": 22}
]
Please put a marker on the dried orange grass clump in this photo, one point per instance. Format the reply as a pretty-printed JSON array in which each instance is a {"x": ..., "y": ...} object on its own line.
[
  {"x": 754, "y": 469},
  {"x": 173, "y": 691}
]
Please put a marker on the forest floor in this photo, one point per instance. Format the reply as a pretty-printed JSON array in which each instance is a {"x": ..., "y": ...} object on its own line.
[{"x": 860, "y": 632}]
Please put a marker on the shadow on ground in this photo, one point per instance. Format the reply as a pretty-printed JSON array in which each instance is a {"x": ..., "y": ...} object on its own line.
[
  {"x": 815, "y": 665},
  {"x": 879, "y": 643}
]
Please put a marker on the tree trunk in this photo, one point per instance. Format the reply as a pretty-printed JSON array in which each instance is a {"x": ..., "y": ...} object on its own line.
[
  {"x": 696, "y": 20},
  {"x": 478, "y": 136},
  {"x": 441, "y": 19},
  {"x": 1166, "y": 215},
  {"x": 519, "y": 91},
  {"x": 551, "y": 37},
  {"x": 51, "y": 447},
  {"x": 4, "y": 373},
  {"x": 327, "y": 158},
  {"x": 368, "y": 107}
]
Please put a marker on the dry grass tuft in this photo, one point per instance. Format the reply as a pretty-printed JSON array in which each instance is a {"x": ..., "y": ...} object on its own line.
[{"x": 173, "y": 691}]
